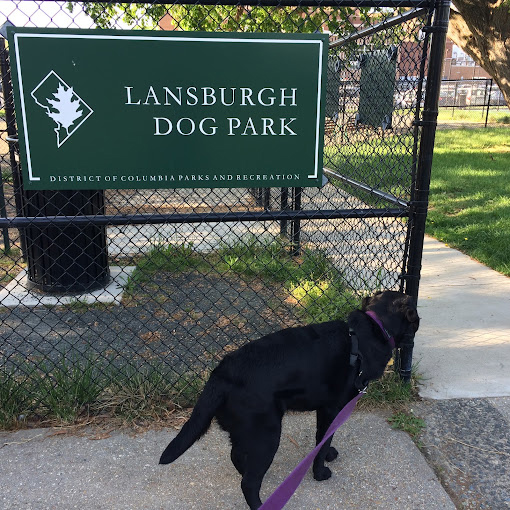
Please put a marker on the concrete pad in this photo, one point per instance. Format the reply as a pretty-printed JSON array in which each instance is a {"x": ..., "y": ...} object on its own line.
[
  {"x": 463, "y": 344},
  {"x": 205, "y": 237},
  {"x": 378, "y": 467},
  {"x": 17, "y": 294}
]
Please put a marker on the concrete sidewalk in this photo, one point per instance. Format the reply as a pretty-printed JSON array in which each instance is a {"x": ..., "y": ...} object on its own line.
[
  {"x": 464, "y": 350},
  {"x": 463, "y": 353},
  {"x": 463, "y": 344},
  {"x": 378, "y": 467}
]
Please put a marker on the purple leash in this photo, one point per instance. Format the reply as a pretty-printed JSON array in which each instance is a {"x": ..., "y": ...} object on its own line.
[{"x": 283, "y": 493}]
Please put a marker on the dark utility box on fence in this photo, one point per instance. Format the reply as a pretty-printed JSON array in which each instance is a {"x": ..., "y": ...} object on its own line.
[{"x": 66, "y": 258}]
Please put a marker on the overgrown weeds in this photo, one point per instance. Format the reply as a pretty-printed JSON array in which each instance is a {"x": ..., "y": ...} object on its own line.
[
  {"x": 146, "y": 394},
  {"x": 408, "y": 422},
  {"x": 67, "y": 392},
  {"x": 391, "y": 391},
  {"x": 392, "y": 394},
  {"x": 65, "y": 389},
  {"x": 14, "y": 398}
]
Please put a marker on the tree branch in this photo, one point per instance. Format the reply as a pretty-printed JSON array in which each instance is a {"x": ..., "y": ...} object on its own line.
[{"x": 461, "y": 34}]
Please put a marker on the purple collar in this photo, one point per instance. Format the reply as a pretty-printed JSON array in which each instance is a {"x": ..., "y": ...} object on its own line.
[{"x": 378, "y": 321}]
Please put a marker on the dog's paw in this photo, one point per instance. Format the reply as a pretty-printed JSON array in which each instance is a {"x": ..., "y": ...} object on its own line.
[
  {"x": 332, "y": 454},
  {"x": 322, "y": 473}
]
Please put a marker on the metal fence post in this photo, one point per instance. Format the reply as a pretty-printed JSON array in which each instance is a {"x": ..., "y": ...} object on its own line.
[
  {"x": 296, "y": 224},
  {"x": 12, "y": 134},
  {"x": 418, "y": 213},
  {"x": 284, "y": 206},
  {"x": 489, "y": 101}
]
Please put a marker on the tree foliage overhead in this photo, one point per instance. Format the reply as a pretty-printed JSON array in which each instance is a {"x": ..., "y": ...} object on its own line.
[
  {"x": 227, "y": 18},
  {"x": 244, "y": 18},
  {"x": 482, "y": 29}
]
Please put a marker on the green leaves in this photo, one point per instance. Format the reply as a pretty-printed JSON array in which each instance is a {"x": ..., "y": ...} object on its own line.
[{"x": 226, "y": 18}]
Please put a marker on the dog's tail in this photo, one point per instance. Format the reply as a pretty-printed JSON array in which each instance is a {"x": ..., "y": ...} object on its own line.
[{"x": 212, "y": 397}]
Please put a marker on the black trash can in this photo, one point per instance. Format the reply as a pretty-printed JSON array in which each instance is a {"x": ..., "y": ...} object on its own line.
[{"x": 66, "y": 259}]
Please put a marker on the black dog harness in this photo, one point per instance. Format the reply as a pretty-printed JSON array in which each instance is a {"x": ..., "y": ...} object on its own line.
[{"x": 356, "y": 355}]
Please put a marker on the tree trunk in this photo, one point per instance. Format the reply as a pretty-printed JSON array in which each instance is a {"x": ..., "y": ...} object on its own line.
[{"x": 482, "y": 29}]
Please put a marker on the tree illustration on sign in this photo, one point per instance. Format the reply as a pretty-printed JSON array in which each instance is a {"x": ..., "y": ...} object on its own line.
[{"x": 67, "y": 109}]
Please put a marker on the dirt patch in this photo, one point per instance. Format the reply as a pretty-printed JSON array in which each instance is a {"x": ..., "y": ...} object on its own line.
[{"x": 185, "y": 321}]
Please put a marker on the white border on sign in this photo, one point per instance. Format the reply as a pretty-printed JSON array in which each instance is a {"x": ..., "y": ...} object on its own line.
[{"x": 18, "y": 35}]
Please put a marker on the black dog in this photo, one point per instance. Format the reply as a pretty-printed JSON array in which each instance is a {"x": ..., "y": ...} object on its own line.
[{"x": 318, "y": 367}]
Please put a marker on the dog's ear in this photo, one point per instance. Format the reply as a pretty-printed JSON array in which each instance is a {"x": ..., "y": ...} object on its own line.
[
  {"x": 412, "y": 317},
  {"x": 366, "y": 300}
]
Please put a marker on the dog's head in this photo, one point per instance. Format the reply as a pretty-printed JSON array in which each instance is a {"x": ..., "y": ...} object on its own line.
[{"x": 396, "y": 311}]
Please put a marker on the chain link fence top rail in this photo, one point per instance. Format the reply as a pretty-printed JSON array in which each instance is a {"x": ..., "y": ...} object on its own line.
[{"x": 120, "y": 301}]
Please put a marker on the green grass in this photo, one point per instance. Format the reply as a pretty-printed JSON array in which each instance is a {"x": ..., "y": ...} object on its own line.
[
  {"x": 59, "y": 391},
  {"x": 14, "y": 398},
  {"x": 408, "y": 422},
  {"x": 311, "y": 280},
  {"x": 66, "y": 392},
  {"x": 10, "y": 265},
  {"x": 501, "y": 116},
  {"x": 470, "y": 194},
  {"x": 271, "y": 259},
  {"x": 67, "y": 387},
  {"x": 163, "y": 258},
  {"x": 322, "y": 301},
  {"x": 382, "y": 163}
]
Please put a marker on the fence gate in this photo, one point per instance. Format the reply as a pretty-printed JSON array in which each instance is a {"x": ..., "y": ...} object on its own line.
[{"x": 106, "y": 290}]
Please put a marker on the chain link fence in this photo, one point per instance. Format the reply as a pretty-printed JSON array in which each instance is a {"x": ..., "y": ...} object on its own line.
[
  {"x": 476, "y": 101},
  {"x": 123, "y": 300}
]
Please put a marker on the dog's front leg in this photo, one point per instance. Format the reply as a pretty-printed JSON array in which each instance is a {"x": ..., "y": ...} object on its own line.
[{"x": 327, "y": 453}]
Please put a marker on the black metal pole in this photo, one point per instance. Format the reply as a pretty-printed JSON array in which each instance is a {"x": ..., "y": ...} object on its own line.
[
  {"x": 284, "y": 206},
  {"x": 456, "y": 101},
  {"x": 296, "y": 223},
  {"x": 173, "y": 218},
  {"x": 488, "y": 102},
  {"x": 418, "y": 212},
  {"x": 3, "y": 214},
  {"x": 266, "y": 198},
  {"x": 12, "y": 134}
]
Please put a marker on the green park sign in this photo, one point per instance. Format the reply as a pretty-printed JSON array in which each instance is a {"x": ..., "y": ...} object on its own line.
[{"x": 100, "y": 109}]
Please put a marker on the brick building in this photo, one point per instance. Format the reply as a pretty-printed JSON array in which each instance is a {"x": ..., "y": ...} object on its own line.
[{"x": 458, "y": 65}]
